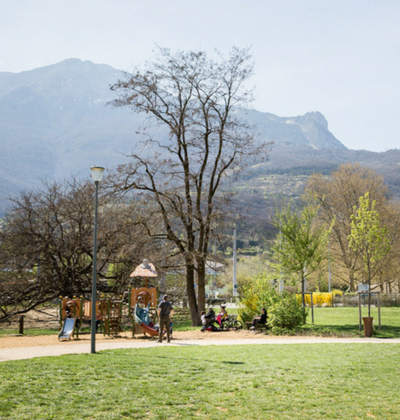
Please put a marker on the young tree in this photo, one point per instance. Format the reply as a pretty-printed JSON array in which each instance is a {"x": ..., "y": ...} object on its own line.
[
  {"x": 195, "y": 100},
  {"x": 369, "y": 238},
  {"x": 300, "y": 247},
  {"x": 337, "y": 196}
]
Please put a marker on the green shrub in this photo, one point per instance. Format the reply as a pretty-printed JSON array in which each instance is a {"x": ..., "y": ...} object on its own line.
[{"x": 284, "y": 312}]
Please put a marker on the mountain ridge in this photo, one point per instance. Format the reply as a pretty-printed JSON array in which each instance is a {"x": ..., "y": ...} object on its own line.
[{"x": 55, "y": 122}]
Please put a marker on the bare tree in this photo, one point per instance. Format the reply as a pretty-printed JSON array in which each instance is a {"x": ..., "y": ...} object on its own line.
[
  {"x": 195, "y": 100},
  {"x": 338, "y": 195},
  {"x": 46, "y": 245}
]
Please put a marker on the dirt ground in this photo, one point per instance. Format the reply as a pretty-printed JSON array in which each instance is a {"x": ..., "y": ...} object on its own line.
[
  {"x": 47, "y": 318},
  {"x": 51, "y": 340}
]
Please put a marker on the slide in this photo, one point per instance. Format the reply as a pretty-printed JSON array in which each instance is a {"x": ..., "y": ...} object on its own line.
[
  {"x": 67, "y": 329},
  {"x": 143, "y": 319}
]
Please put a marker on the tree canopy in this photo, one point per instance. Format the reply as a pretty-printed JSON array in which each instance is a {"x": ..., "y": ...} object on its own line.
[{"x": 300, "y": 246}]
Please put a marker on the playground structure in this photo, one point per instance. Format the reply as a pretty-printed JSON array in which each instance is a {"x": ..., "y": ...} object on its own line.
[
  {"x": 71, "y": 317},
  {"x": 142, "y": 309},
  {"x": 110, "y": 315},
  {"x": 74, "y": 312},
  {"x": 143, "y": 302}
]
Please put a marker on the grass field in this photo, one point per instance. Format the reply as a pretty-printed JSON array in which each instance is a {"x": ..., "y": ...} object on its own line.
[
  {"x": 344, "y": 322},
  {"x": 309, "y": 381}
]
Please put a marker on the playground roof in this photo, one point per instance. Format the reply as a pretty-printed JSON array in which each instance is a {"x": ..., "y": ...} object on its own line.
[{"x": 144, "y": 271}]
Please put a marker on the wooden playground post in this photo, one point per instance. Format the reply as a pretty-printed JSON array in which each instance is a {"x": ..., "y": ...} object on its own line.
[{"x": 21, "y": 324}]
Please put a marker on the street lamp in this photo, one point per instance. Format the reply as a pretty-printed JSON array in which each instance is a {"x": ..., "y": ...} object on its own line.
[{"x": 97, "y": 174}]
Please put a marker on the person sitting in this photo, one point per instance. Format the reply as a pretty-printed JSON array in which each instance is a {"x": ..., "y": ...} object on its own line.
[
  {"x": 260, "y": 319},
  {"x": 210, "y": 317},
  {"x": 222, "y": 316},
  {"x": 223, "y": 312}
]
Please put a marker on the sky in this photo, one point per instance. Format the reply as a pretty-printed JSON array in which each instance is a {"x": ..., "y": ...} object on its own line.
[{"x": 338, "y": 57}]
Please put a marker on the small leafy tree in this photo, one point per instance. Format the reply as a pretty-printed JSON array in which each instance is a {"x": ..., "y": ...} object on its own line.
[
  {"x": 369, "y": 238},
  {"x": 300, "y": 246}
]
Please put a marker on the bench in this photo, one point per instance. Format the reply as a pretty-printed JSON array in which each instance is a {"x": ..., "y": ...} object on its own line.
[{"x": 258, "y": 327}]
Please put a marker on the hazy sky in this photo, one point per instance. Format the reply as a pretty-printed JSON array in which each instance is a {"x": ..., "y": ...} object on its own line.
[{"x": 339, "y": 57}]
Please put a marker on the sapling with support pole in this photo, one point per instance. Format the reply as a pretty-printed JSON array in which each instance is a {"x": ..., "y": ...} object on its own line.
[{"x": 368, "y": 320}]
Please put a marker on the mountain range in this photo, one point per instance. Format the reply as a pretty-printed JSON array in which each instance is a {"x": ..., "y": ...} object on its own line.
[{"x": 56, "y": 122}]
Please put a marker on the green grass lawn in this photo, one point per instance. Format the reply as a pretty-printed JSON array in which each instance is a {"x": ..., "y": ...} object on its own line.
[
  {"x": 309, "y": 381},
  {"x": 344, "y": 322}
]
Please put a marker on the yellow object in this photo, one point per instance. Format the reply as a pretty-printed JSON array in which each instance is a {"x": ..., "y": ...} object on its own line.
[{"x": 320, "y": 299}]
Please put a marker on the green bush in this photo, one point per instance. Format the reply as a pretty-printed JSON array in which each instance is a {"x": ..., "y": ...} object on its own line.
[{"x": 284, "y": 312}]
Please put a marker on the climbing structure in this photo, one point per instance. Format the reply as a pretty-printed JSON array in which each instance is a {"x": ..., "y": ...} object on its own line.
[{"x": 110, "y": 314}]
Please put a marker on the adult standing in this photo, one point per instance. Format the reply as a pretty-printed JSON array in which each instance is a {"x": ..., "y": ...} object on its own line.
[{"x": 165, "y": 311}]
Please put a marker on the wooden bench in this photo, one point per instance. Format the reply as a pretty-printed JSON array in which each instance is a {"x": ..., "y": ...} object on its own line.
[{"x": 258, "y": 327}]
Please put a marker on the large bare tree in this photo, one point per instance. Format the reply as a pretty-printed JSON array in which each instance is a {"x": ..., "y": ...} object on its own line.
[{"x": 194, "y": 140}]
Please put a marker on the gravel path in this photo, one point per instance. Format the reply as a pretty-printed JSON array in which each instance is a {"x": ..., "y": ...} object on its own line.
[{"x": 16, "y": 348}]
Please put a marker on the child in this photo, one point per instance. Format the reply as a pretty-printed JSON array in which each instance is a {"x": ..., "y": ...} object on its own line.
[{"x": 203, "y": 321}]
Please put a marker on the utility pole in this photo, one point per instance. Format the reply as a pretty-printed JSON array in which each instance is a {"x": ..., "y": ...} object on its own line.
[{"x": 235, "y": 291}]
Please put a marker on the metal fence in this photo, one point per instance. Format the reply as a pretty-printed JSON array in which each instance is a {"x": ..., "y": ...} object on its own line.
[{"x": 351, "y": 299}]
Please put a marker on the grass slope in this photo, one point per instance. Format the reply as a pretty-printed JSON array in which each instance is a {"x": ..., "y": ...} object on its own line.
[{"x": 323, "y": 381}]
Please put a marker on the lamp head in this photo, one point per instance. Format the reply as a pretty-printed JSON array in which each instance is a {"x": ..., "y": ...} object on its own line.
[{"x": 97, "y": 173}]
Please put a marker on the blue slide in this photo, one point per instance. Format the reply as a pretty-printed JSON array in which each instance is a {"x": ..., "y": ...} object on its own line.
[
  {"x": 143, "y": 319},
  {"x": 67, "y": 329}
]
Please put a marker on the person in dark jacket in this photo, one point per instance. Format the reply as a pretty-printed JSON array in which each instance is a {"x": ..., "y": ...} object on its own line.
[
  {"x": 261, "y": 319},
  {"x": 210, "y": 316},
  {"x": 165, "y": 311}
]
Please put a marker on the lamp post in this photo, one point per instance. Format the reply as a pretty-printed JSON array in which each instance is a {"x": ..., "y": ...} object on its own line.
[{"x": 97, "y": 174}]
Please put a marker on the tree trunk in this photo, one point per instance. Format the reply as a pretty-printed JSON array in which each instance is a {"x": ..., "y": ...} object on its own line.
[
  {"x": 191, "y": 293},
  {"x": 351, "y": 282},
  {"x": 369, "y": 288},
  {"x": 201, "y": 284},
  {"x": 303, "y": 297}
]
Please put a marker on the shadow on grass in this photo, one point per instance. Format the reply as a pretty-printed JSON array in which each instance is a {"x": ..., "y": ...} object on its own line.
[
  {"x": 387, "y": 331},
  {"x": 233, "y": 363},
  {"x": 200, "y": 359},
  {"x": 347, "y": 329}
]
